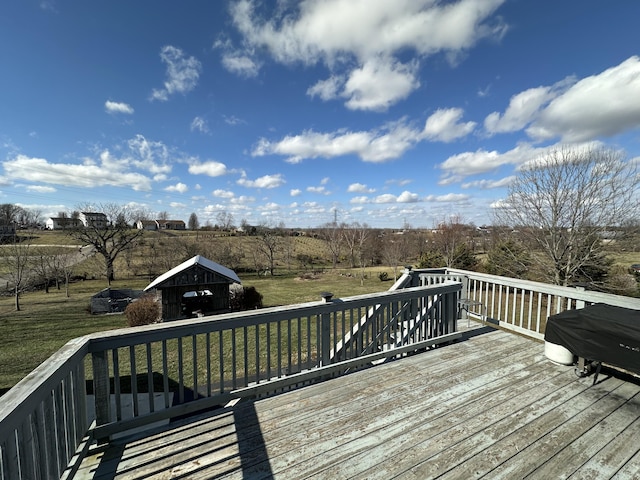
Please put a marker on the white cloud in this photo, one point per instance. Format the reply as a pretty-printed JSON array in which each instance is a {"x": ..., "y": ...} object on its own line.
[
  {"x": 149, "y": 155},
  {"x": 40, "y": 189},
  {"x": 485, "y": 184},
  {"x": 359, "y": 188},
  {"x": 295, "y": 192},
  {"x": 450, "y": 197},
  {"x": 222, "y": 193},
  {"x": 182, "y": 73},
  {"x": 443, "y": 125},
  {"x": 377, "y": 146},
  {"x": 404, "y": 197},
  {"x": 523, "y": 108},
  {"x": 321, "y": 190},
  {"x": 326, "y": 89},
  {"x": 239, "y": 64},
  {"x": 210, "y": 168},
  {"x": 597, "y": 106},
  {"x": 199, "y": 124},
  {"x": 118, "y": 107},
  {"x": 87, "y": 175},
  {"x": 178, "y": 187},
  {"x": 266, "y": 181},
  {"x": 177, "y": 205},
  {"x": 365, "y": 52},
  {"x": 378, "y": 84}
]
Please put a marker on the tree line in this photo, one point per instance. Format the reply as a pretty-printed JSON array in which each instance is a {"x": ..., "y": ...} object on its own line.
[{"x": 563, "y": 213}]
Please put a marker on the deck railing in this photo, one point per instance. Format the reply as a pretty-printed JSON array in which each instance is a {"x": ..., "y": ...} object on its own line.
[
  {"x": 176, "y": 368},
  {"x": 519, "y": 305}
]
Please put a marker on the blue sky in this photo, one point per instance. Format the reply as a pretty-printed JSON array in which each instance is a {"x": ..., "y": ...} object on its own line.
[{"x": 386, "y": 112}]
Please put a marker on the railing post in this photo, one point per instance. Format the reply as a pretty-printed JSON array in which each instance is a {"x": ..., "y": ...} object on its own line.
[
  {"x": 101, "y": 390},
  {"x": 580, "y": 303},
  {"x": 325, "y": 332}
]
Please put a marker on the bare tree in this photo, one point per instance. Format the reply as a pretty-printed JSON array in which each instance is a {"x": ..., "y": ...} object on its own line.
[
  {"x": 331, "y": 234},
  {"x": 225, "y": 220},
  {"x": 269, "y": 244},
  {"x": 450, "y": 240},
  {"x": 111, "y": 239},
  {"x": 566, "y": 202},
  {"x": 17, "y": 262}
]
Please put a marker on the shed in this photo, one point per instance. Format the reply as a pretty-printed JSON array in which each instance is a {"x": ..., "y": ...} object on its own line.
[{"x": 200, "y": 275}]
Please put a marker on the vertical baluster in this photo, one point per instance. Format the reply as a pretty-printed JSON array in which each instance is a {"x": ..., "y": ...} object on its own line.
[
  {"x": 279, "y": 347},
  {"x": 152, "y": 407},
  {"x": 180, "y": 372},
  {"x": 539, "y": 312},
  {"x": 194, "y": 360},
  {"x": 268, "y": 334},
  {"x": 245, "y": 340},
  {"x": 117, "y": 387},
  {"x": 69, "y": 414},
  {"x": 26, "y": 450},
  {"x": 134, "y": 379},
  {"x": 515, "y": 306},
  {"x": 257, "y": 328},
  {"x": 165, "y": 374},
  {"x": 234, "y": 360},
  {"x": 289, "y": 347},
  {"x": 207, "y": 341},
  {"x": 299, "y": 344},
  {"x": 59, "y": 414},
  {"x": 309, "y": 365},
  {"x": 221, "y": 359},
  {"x": 80, "y": 393},
  {"x": 530, "y": 314}
]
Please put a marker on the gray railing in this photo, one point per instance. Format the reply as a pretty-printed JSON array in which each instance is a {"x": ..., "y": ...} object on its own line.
[
  {"x": 167, "y": 370},
  {"x": 519, "y": 305}
]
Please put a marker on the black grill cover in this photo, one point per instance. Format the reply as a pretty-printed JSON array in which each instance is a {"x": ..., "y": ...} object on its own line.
[{"x": 599, "y": 332}]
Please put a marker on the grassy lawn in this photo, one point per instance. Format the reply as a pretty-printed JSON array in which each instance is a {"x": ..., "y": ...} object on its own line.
[{"x": 48, "y": 321}]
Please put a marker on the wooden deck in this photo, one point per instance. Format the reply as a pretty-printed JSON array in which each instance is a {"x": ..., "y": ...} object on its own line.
[{"x": 490, "y": 406}]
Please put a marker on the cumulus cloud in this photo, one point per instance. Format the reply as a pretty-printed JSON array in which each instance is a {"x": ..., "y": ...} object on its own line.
[
  {"x": 182, "y": 73},
  {"x": 222, "y": 193},
  {"x": 377, "y": 146},
  {"x": 404, "y": 197},
  {"x": 118, "y": 107},
  {"x": 210, "y": 168},
  {"x": 448, "y": 198},
  {"x": 178, "y": 187},
  {"x": 266, "y": 181},
  {"x": 444, "y": 125},
  {"x": 87, "y": 175},
  {"x": 295, "y": 192},
  {"x": 596, "y": 106},
  {"x": 360, "y": 188},
  {"x": 575, "y": 110},
  {"x": 363, "y": 57},
  {"x": 378, "y": 84}
]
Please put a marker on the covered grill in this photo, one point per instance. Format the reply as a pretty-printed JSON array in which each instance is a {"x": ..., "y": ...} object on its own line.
[{"x": 600, "y": 333}]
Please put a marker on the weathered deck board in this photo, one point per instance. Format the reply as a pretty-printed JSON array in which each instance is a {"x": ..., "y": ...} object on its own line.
[{"x": 489, "y": 406}]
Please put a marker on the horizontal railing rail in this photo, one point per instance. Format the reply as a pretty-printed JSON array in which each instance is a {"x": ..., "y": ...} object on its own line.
[{"x": 156, "y": 372}]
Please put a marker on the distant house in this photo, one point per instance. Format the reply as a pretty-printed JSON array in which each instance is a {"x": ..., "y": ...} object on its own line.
[
  {"x": 93, "y": 219},
  {"x": 197, "y": 285},
  {"x": 147, "y": 225},
  {"x": 171, "y": 225},
  {"x": 62, "y": 223}
]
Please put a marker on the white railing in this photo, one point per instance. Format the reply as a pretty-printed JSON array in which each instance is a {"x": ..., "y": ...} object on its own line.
[
  {"x": 519, "y": 305},
  {"x": 176, "y": 368}
]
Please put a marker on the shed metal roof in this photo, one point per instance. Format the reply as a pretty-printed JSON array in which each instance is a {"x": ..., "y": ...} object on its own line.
[{"x": 197, "y": 260}]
